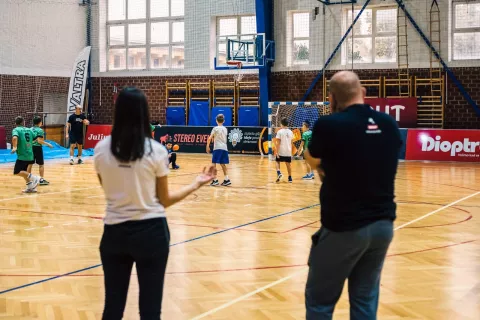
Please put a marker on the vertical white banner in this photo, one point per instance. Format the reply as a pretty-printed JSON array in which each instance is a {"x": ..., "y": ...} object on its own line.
[{"x": 78, "y": 81}]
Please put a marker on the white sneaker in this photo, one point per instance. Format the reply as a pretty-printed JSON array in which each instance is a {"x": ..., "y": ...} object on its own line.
[
  {"x": 29, "y": 190},
  {"x": 33, "y": 182},
  {"x": 72, "y": 162}
]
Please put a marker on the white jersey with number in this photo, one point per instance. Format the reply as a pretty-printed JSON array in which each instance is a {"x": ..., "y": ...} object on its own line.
[
  {"x": 130, "y": 188},
  {"x": 285, "y": 136},
  {"x": 219, "y": 135}
]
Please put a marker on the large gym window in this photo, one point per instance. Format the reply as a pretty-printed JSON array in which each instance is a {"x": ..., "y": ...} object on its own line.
[
  {"x": 145, "y": 34},
  {"x": 233, "y": 27},
  {"x": 466, "y": 30},
  {"x": 374, "y": 36},
  {"x": 299, "y": 52}
]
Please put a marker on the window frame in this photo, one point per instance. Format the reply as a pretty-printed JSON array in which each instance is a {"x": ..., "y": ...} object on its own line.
[
  {"x": 346, "y": 49},
  {"x": 148, "y": 45},
  {"x": 293, "y": 38},
  {"x": 239, "y": 30},
  {"x": 455, "y": 31}
]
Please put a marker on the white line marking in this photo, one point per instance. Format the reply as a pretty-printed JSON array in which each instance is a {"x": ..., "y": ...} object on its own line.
[
  {"x": 95, "y": 196},
  {"x": 28, "y": 229},
  {"x": 48, "y": 193},
  {"x": 9, "y": 231},
  {"x": 48, "y": 227},
  {"x": 247, "y": 205},
  {"x": 83, "y": 221},
  {"x": 248, "y": 295},
  {"x": 66, "y": 224}
]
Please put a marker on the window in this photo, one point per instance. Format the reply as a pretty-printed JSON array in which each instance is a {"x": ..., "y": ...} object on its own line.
[
  {"x": 466, "y": 30},
  {"x": 233, "y": 27},
  {"x": 301, "y": 35},
  {"x": 374, "y": 36},
  {"x": 137, "y": 41}
]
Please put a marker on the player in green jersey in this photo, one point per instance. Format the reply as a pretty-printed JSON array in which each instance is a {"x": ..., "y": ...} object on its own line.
[
  {"x": 22, "y": 139},
  {"x": 306, "y": 138},
  {"x": 37, "y": 148}
]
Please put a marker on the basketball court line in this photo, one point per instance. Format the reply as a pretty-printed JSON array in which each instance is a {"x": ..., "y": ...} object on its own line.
[
  {"x": 248, "y": 295},
  {"x": 172, "y": 245},
  {"x": 36, "y": 195}
]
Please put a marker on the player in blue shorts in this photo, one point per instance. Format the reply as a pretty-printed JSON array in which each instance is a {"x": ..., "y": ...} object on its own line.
[{"x": 220, "y": 150}]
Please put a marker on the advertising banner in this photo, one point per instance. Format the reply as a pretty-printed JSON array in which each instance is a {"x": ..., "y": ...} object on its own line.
[
  {"x": 403, "y": 110},
  {"x": 78, "y": 81},
  {"x": 3, "y": 138},
  {"x": 241, "y": 140},
  {"x": 96, "y": 133},
  {"x": 443, "y": 145}
]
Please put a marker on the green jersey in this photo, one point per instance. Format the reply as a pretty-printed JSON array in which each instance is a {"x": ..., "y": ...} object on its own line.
[
  {"x": 25, "y": 138},
  {"x": 37, "y": 133},
  {"x": 152, "y": 127},
  {"x": 306, "y": 137}
]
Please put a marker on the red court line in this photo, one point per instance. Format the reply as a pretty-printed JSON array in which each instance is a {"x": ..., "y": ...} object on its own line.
[
  {"x": 52, "y": 213},
  {"x": 239, "y": 269}
]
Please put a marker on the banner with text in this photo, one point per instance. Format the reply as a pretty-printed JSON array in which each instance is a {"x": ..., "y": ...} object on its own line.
[
  {"x": 96, "y": 133},
  {"x": 243, "y": 140},
  {"x": 403, "y": 110},
  {"x": 444, "y": 145},
  {"x": 78, "y": 81}
]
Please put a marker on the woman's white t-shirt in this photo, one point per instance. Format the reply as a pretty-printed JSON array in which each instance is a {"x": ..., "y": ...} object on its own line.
[{"x": 130, "y": 188}]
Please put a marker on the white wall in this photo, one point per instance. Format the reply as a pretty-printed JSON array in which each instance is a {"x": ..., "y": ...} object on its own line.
[
  {"x": 419, "y": 53},
  {"x": 40, "y": 37}
]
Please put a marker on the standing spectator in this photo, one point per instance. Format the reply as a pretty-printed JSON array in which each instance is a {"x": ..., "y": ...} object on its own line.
[
  {"x": 355, "y": 151},
  {"x": 133, "y": 170}
]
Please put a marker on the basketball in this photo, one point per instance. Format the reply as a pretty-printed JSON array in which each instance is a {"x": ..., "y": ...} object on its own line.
[{"x": 176, "y": 147}]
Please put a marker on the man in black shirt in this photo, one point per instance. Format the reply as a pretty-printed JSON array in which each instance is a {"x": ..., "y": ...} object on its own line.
[
  {"x": 75, "y": 132},
  {"x": 355, "y": 151}
]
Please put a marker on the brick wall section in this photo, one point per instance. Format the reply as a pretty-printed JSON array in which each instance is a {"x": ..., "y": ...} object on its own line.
[
  {"x": 154, "y": 88},
  {"x": 291, "y": 86},
  {"x": 19, "y": 94}
]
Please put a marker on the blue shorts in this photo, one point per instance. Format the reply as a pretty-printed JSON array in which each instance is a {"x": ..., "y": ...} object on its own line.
[{"x": 220, "y": 157}]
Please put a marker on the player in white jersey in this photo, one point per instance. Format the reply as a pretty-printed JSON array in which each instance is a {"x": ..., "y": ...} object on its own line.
[
  {"x": 283, "y": 147},
  {"x": 220, "y": 149}
]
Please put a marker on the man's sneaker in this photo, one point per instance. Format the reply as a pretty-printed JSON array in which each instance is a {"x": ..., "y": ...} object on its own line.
[
  {"x": 175, "y": 167},
  {"x": 44, "y": 182},
  {"x": 226, "y": 183},
  {"x": 29, "y": 190},
  {"x": 72, "y": 162},
  {"x": 80, "y": 161},
  {"x": 307, "y": 177},
  {"x": 33, "y": 182},
  {"x": 290, "y": 180},
  {"x": 279, "y": 177},
  {"x": 312, "y": 175},
  {"x": 214, "y": 183}
]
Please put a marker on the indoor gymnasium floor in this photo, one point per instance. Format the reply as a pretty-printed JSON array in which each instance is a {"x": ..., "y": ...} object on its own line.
[{"x": 238, "y": 252}]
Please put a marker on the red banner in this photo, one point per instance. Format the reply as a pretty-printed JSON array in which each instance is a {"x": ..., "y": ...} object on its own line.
[
  {"x": 3, "y": 138},
  {"x": 404, "y": 110},
  {"x": 96, "y": 133},
  {"x": 444, "y": 145}
]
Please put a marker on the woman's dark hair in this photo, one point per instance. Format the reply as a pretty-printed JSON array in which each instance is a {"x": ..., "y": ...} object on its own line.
[{"x": 131, "y": 125}]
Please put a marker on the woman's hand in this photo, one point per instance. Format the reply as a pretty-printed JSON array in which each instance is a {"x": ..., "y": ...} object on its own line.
[{"x": 207, "y": 175}]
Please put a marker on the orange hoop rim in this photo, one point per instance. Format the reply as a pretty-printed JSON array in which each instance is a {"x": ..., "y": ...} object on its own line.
[{"x": 237, "y": 64}]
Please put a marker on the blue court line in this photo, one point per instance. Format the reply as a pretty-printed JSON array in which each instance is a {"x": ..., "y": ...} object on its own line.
[{"x": 172, "y": 245}]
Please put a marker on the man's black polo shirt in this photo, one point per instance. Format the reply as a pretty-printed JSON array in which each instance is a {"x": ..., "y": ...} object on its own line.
[{"x": 359, "y": 149}]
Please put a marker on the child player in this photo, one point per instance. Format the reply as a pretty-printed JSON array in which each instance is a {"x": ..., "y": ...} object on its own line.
[
  {"x": 220, "y": 150},
  {"x": 22, "y": 145},
  {"x": 306, "y": 138},
  {"x": 38, "y": 141},
  {"x": 172, "y": 156},
  {"x": 283, "y": 146}
]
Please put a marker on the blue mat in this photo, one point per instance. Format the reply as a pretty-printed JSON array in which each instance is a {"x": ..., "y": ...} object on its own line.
[{"x": 58, "y": 152}]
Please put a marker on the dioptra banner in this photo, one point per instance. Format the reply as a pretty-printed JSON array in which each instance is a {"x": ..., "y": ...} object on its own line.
[
  {"x": 403, "y": 110},
  {"x": 242, "y": 140},
  {"x": 96, "y": 133},
  {"x": 444, "y": 145}
]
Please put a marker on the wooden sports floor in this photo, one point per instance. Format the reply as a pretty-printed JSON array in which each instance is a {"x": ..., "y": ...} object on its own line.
[{"x": 238, "y": 252}]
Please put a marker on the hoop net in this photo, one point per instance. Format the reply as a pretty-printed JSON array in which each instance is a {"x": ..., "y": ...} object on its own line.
[{"x": 236, "y": 64}]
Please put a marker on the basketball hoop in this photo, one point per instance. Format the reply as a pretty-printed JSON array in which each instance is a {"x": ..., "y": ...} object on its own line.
[{"x": 236, "y": 64}]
